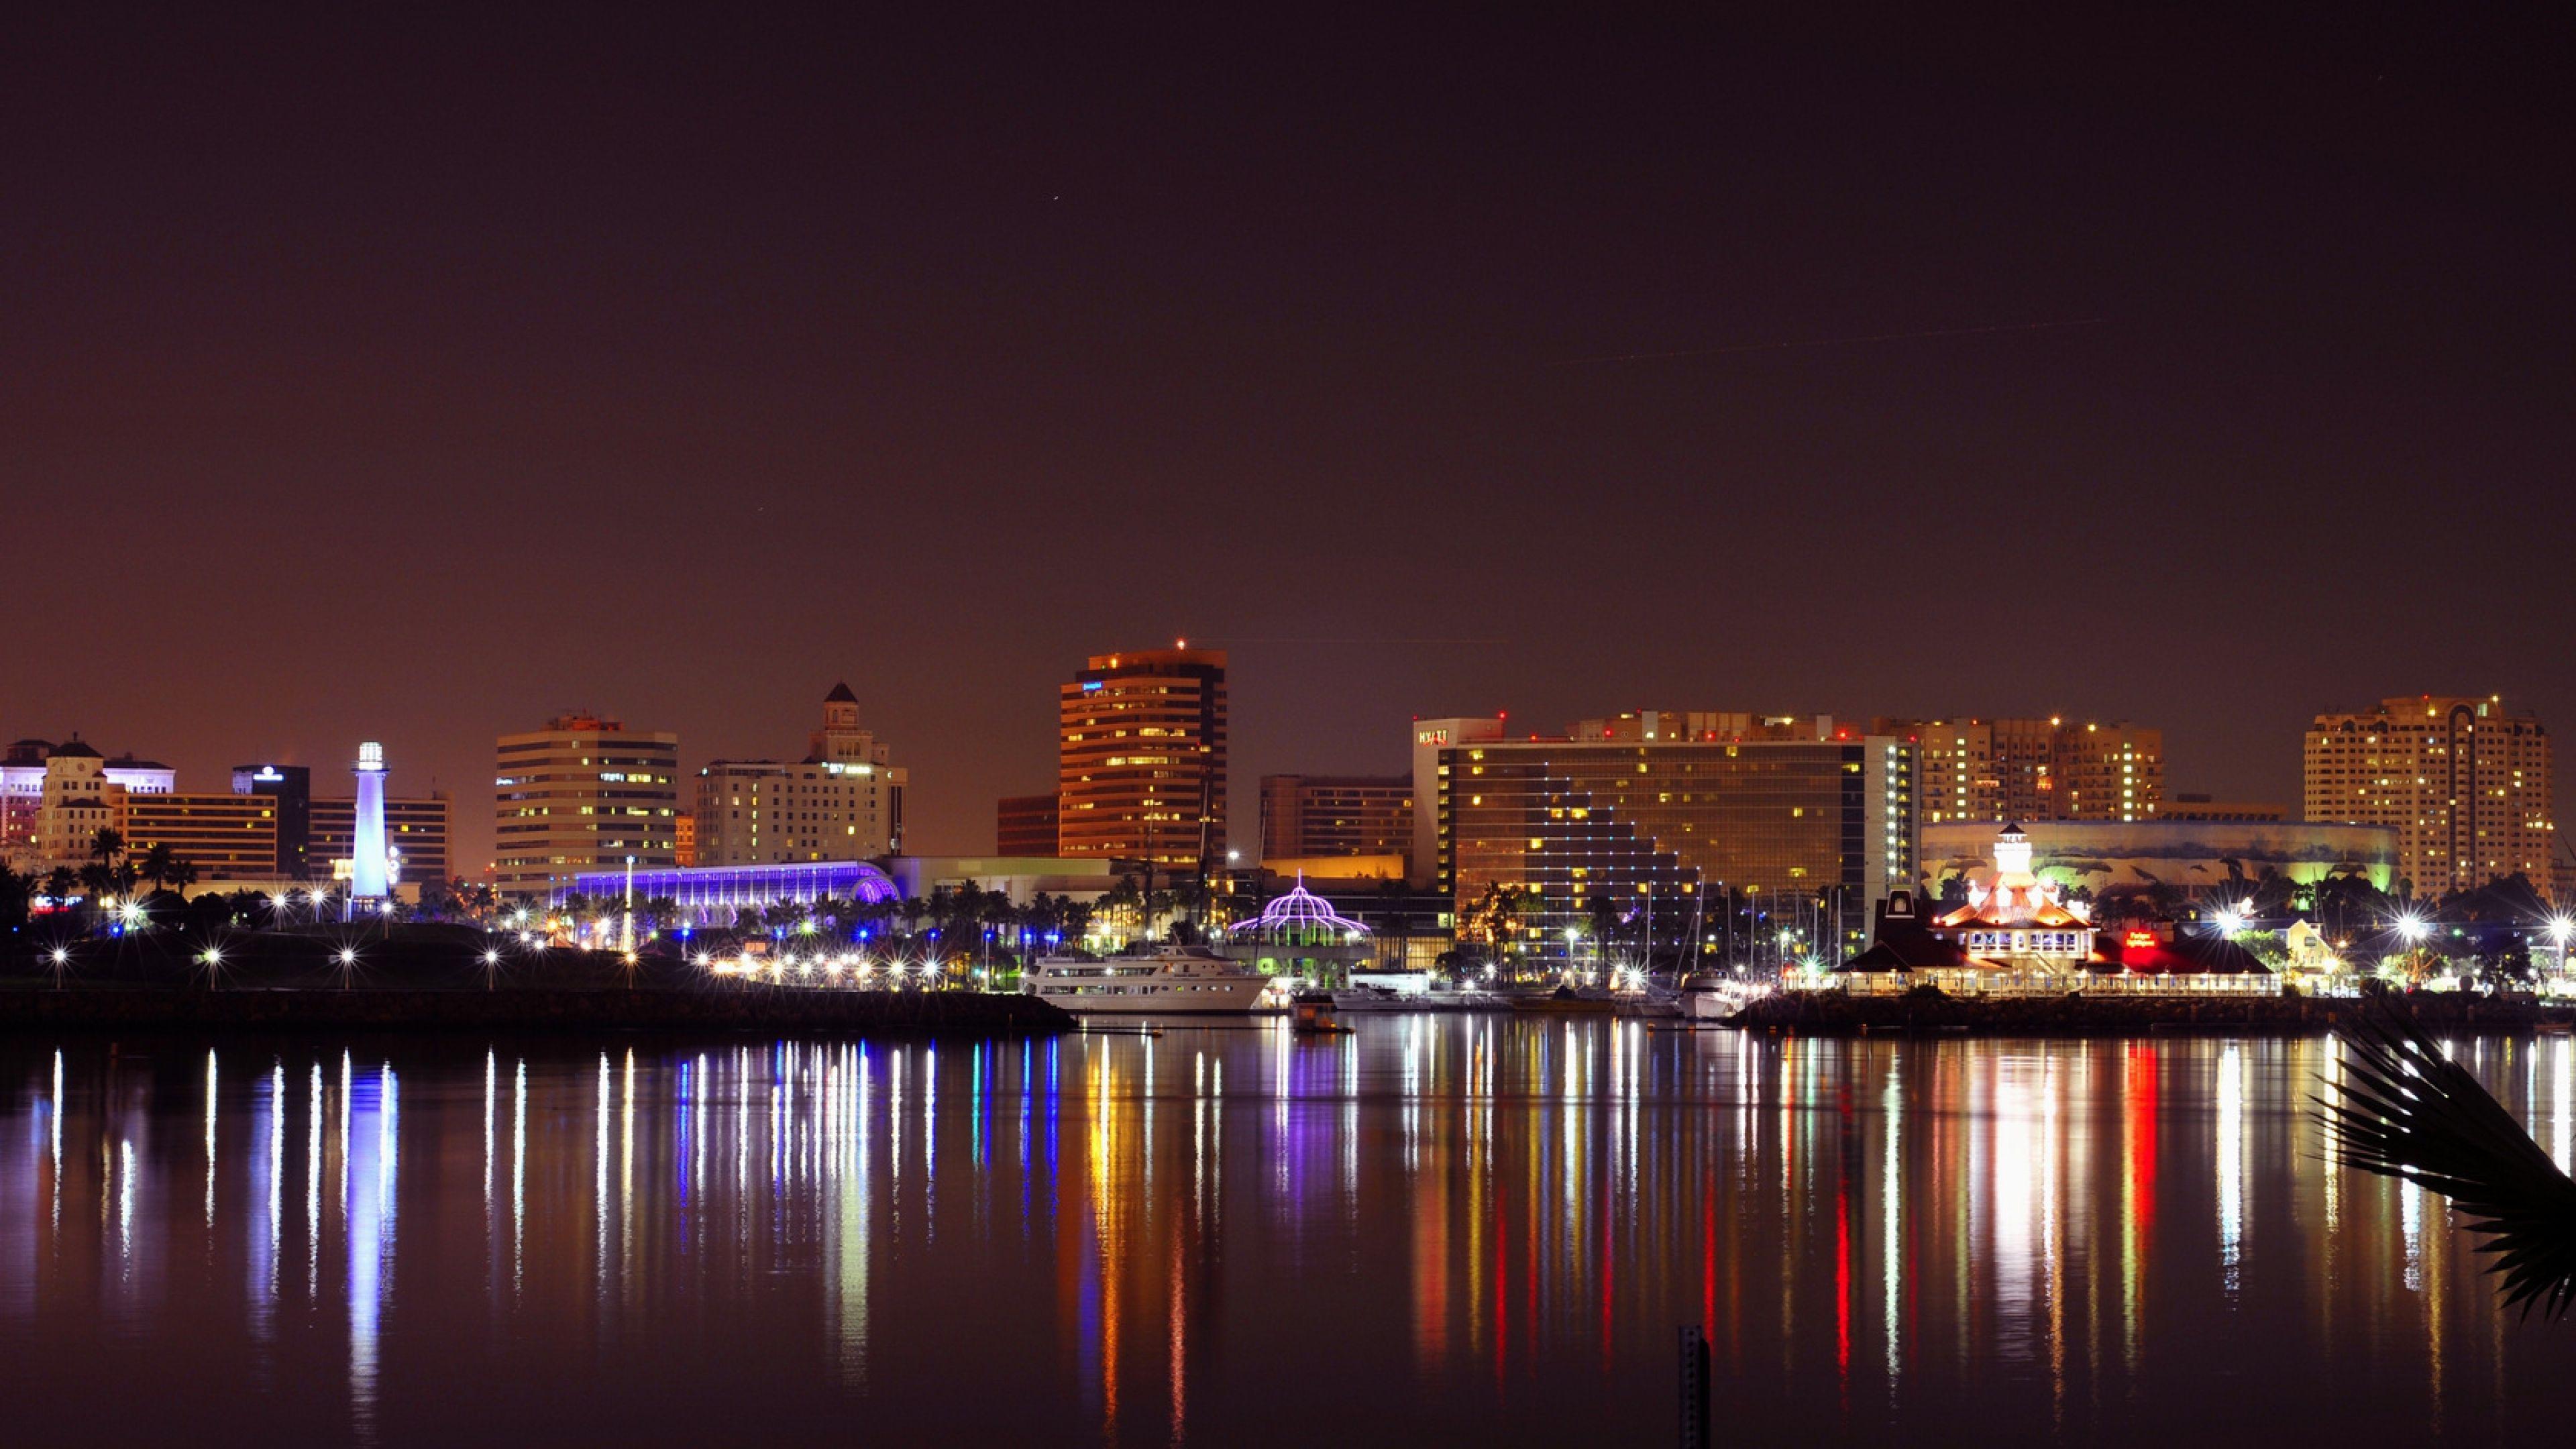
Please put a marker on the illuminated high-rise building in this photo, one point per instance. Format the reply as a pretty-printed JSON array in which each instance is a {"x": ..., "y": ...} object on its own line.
[
  {"x": 582, "y": 794},
  {"x": 843, "y": 801},
  {"x": 2465, "y": 780},
  {"x": 1324, "y": 817},
  {"x": 55, "y": 798},
  {"x": 1650, "y": 825},
  {"x": 228, "y": 837},
  {"x": 1141, "y": 757},
  {"x": 2005, "y": 770}
]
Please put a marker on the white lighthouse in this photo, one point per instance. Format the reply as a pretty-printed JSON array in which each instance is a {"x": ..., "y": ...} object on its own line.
[{"x": 367, "y": 851}]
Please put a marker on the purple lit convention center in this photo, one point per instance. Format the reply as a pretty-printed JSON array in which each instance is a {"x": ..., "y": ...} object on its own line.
[{"x": 712, "y": 893}]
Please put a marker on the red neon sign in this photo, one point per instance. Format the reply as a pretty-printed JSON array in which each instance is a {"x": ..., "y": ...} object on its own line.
[{"x": 2139, "y": 938}]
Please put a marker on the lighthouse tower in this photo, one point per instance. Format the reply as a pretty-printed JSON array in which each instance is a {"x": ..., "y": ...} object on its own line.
[{"x": 367, "y": 852}]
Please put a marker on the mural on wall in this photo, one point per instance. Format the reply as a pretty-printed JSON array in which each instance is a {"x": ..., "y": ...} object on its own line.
[{"x": 2111, "y": 859}]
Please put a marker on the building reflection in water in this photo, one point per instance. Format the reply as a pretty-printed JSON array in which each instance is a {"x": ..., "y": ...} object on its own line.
[{"x": 1461, "y": 1224}]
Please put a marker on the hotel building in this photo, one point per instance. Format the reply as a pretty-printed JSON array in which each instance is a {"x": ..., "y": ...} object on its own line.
[
  {"x": 2005, "y": 770},
  {"x": 1656, "y": 822},
  {"x": 226, "y": 837},
  {"x": 415, "y": 831},
  {"x": 269, "y": 830},
  {"x": 582, "y": 794},
  {"x": 1024, "y": 825},
  {"x": 2465, "y": 781},
  {"x": 54, "y": 799},
  {"x": 843, "y": 801},
  {"x": 1337, "y": 817},
  {"x": 1141, "y": 757}
]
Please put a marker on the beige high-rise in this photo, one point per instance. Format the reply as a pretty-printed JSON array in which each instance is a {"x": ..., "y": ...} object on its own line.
[
  {"x": 582, "y": 794},
  {"x": 843, "y": 801},
  {"x": 2008, "y": 770},
  {"x": 2465, "y": 780}
]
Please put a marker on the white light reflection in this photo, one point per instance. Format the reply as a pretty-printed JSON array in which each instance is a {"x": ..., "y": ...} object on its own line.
[
  {"x": 599, "y": 1190},
  {"x": 1890, "y": 1203},
  {"x": 276, "y": 1179},
  {"x": 2562, "y": 1079},
  {"x": 2231, "y": 1169},
  {"x": 54, "y": 1122},
  {"x": 125, "y": 1207},
  {"x": 626, "y": 1177},
  {"x": 519, "y": 1181},
  {"x": 313, "y": 1190},
  {"x": 210, "y": 1140}
]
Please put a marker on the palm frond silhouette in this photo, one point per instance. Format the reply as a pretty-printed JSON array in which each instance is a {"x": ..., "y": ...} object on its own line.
[{"x": 2407, "y": 1111}]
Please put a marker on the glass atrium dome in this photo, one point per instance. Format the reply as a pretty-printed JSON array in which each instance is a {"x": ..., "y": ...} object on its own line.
[{"x": 1300, "y": 918}]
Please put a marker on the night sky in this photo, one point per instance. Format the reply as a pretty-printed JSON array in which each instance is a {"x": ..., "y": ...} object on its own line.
[{"x": 419, "y": 380}]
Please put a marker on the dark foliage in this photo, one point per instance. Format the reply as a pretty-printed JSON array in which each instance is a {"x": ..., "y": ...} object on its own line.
[{"x": 2406, "y": 1111}]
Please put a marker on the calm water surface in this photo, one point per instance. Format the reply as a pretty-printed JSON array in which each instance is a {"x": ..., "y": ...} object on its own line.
[{"x": 1436, "y": 1230}]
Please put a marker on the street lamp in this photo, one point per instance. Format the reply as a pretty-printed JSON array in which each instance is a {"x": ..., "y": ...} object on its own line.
[{"x": 2562, "y": 926}]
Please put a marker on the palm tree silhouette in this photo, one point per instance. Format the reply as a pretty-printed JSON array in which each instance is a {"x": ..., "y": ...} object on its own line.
[
  {"x": 2409, "y": 1112},
  {"x": 157, "y": 864}
]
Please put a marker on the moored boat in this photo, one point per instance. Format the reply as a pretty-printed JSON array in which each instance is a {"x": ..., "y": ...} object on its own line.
[
  {"x": 1173, "y": 981},
  {"x": 1564, "y": 1001}
]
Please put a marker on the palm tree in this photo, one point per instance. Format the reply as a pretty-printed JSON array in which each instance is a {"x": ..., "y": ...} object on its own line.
[
  {"x": 2409, "y": 1112},
  {"x": 1495, "y": 916},
  {"x": 183, "y": 873},
  {"x": 60, "y": 882},
  {"x": 106, "y": 845},
  {"x": 157, "y": 864},
  {"x": 17, "y": 894}
]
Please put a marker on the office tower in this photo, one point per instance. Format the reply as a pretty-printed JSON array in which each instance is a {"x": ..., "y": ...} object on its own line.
[
  {"x": 289, "y": 789},
  {"x": 1141, "y": 757},
  {"x": 583, "y": 793},
  {"x": 1307, "y": 817},
  {"x": 1024, "y": 825}
]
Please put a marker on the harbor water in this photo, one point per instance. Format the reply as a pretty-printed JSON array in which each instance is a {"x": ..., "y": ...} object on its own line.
[{"x": 1474, "y": 1229}]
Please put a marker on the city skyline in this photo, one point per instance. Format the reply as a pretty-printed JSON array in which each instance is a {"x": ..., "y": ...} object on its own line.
[
  {"x": 964, "y": 822},
  {"x": 1819, "y": 724},
  {"x": 978, "y": 360}
]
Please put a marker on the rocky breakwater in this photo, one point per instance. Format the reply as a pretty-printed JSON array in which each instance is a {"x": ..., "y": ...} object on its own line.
[{"x": 447, "y": 979}]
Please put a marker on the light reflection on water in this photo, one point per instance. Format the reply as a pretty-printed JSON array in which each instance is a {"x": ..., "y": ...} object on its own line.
[{"x": 1437, "y": 1227}]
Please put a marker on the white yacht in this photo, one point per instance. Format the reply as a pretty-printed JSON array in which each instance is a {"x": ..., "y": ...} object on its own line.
[
  {"x": 1714, "y": 996},
  {"x": 1173, "y": 981}
]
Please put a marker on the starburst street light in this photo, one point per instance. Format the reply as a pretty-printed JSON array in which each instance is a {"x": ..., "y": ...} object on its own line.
[{"x": 2413, "y": 927}]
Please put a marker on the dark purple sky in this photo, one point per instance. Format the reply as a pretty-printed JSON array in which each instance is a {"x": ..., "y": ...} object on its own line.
[{"x": 417, "y": 380}]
